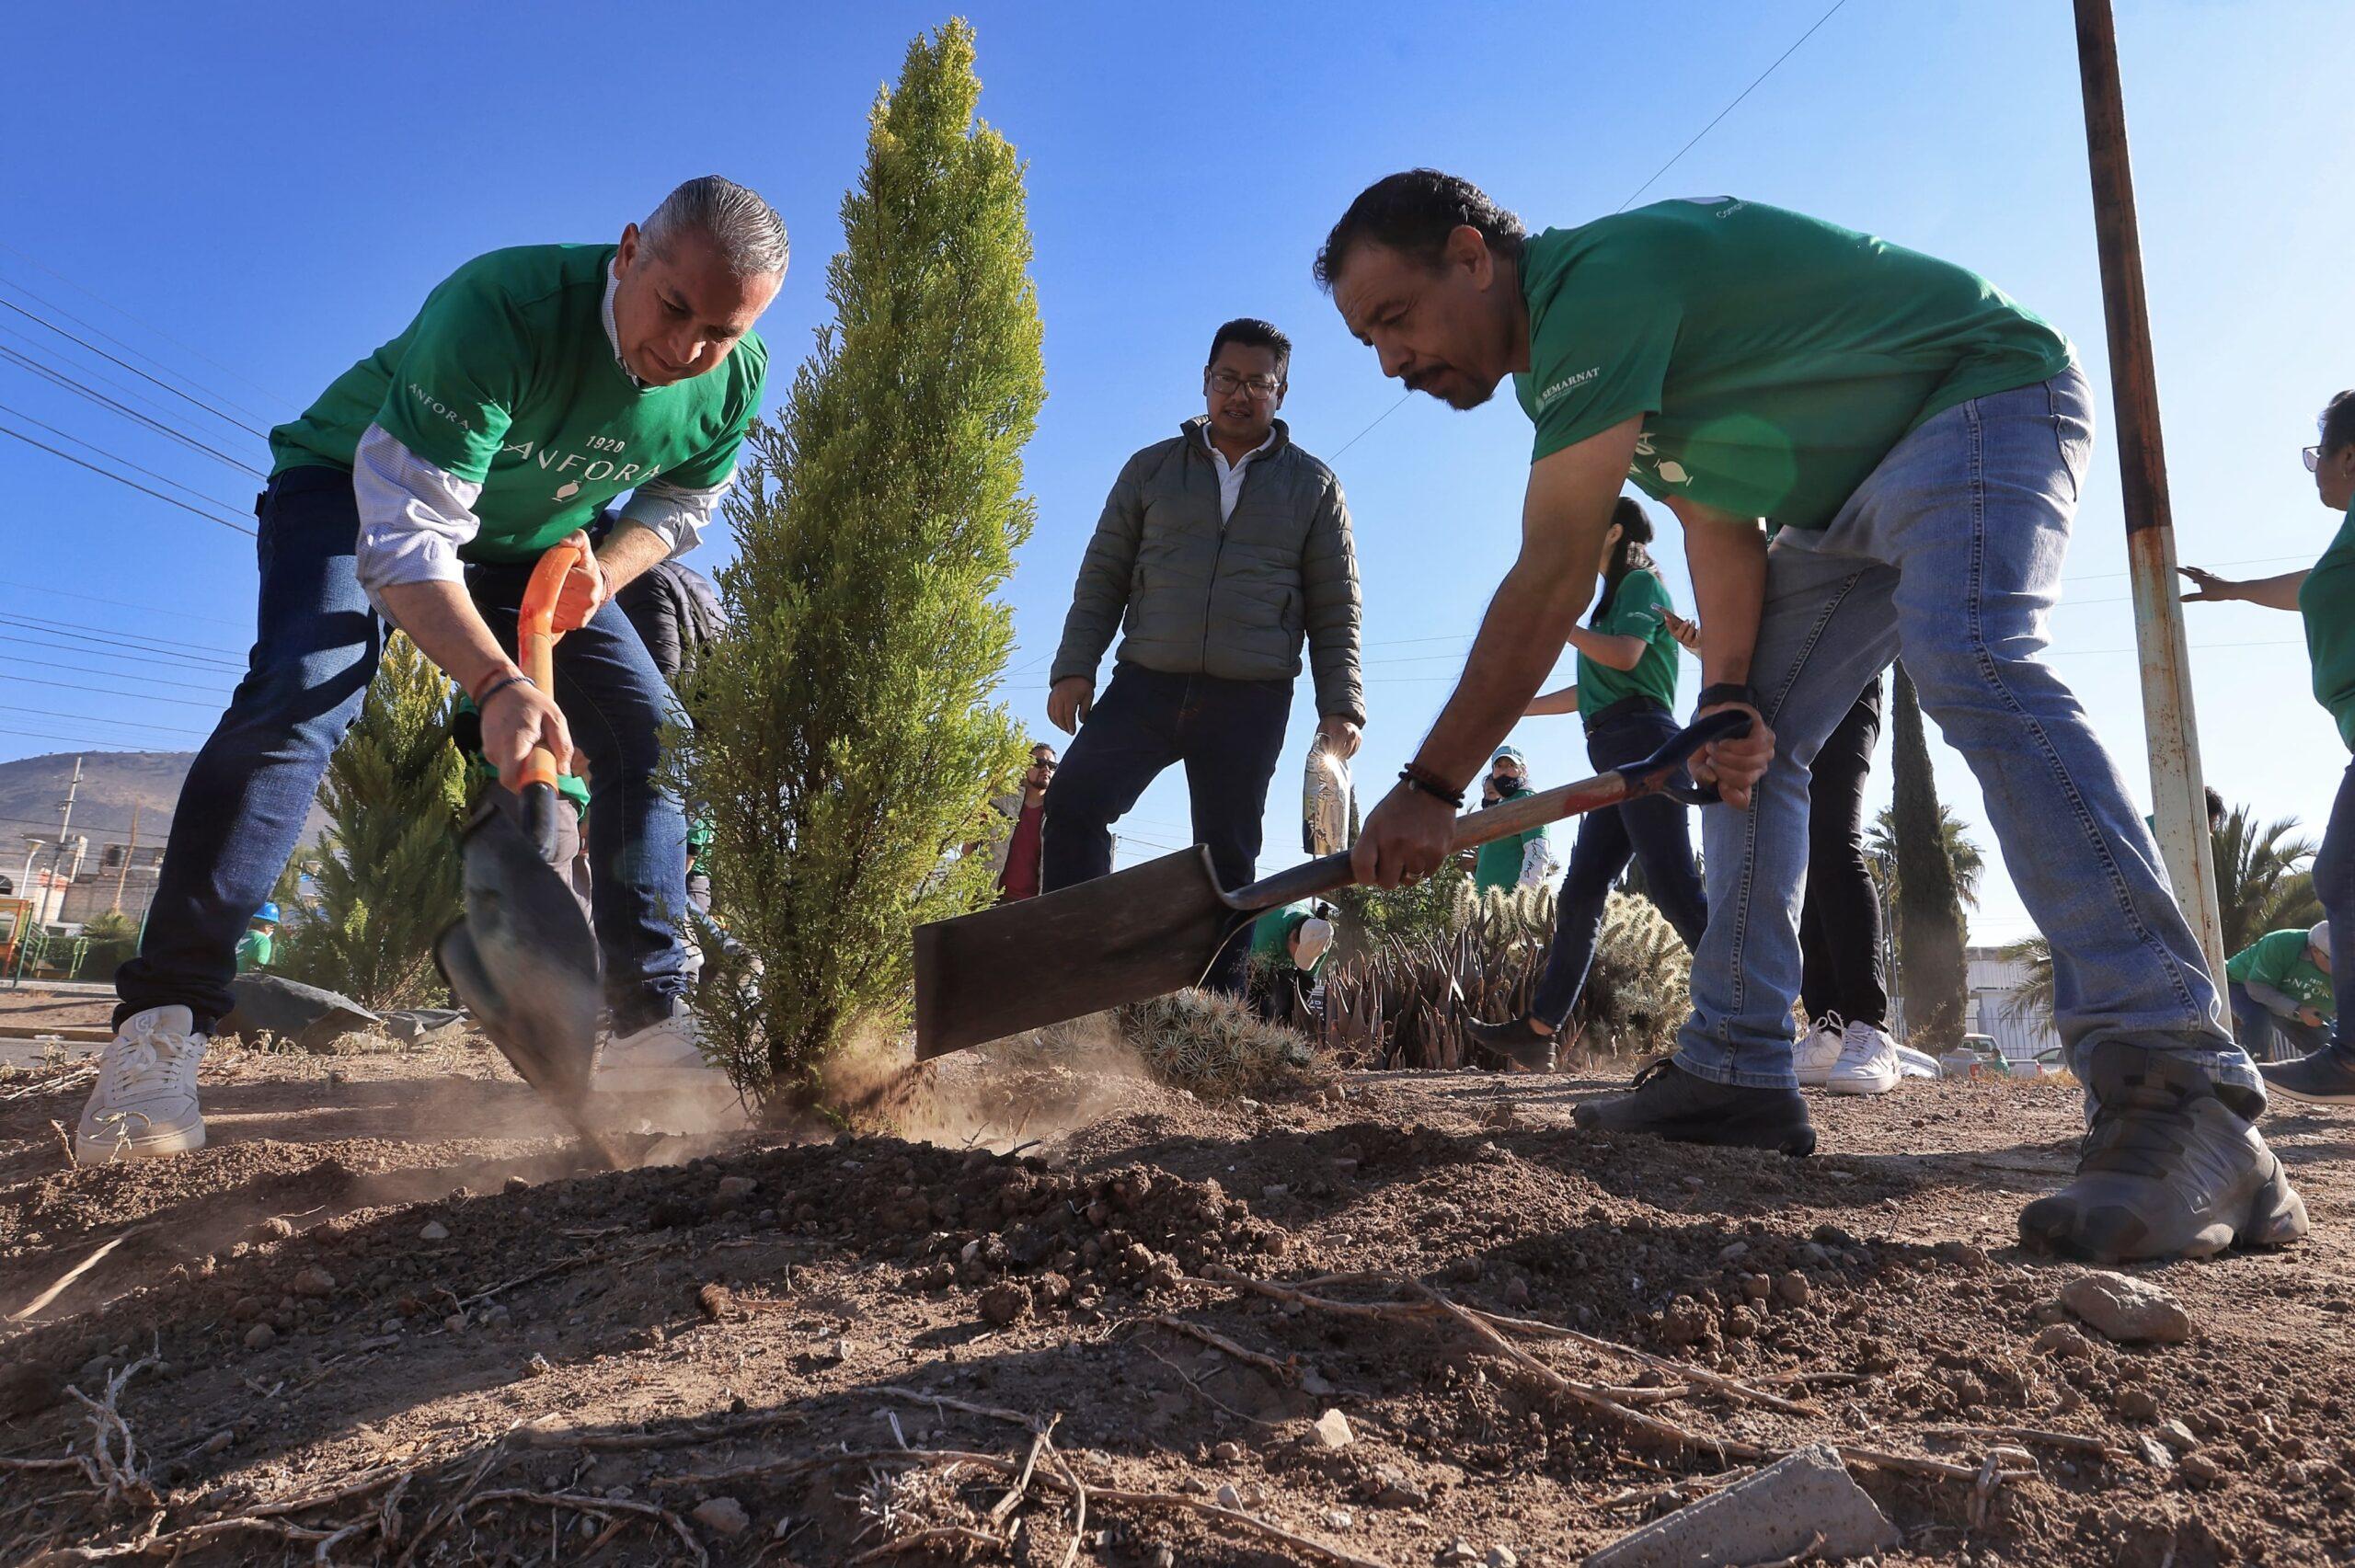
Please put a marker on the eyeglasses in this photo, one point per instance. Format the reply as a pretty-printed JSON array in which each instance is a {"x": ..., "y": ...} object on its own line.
[
  {"x": 1226, "y": 383},
  {"x": 2313, "y": 455},
  {"x": 1038, "y": 762}
]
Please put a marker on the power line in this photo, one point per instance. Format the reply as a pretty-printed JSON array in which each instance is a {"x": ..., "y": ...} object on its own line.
[
  {"x": 139, "y": 639},
  {"x": 119, "y": 479},
  {"x": 135, "y": 370},
  {"x": 141, "y": 657},
  {"x": 116, "y": 745},
  {"x": 220, "y": 694},
  {"x": 1730, "y": 107},
  {"x": 57, "y": 377},
  {"x": 104, "y": 452},
  {"x": 1377, "y": 420},
  {"x": 150, "y": 326},
  {"x": 120, "y": 603},
  {"x": 93, "y": 718}
]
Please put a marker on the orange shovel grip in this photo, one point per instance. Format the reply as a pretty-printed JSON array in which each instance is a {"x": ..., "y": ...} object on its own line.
[{"x": 536, "y": 635}]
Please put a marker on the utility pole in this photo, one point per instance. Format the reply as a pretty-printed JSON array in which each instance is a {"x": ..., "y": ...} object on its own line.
[
  {"x": 122, "y": 873},
  {"x": 2179, "y": 789},
  {"x": 64, "y": 829}
]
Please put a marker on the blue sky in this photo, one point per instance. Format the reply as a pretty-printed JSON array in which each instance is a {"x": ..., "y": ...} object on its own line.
[{"x": 271, "y": 189}]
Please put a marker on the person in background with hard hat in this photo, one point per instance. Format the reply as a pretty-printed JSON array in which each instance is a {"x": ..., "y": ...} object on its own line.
[
  {"x": 255, "y": 948},
  {"x": 2280, "y": 988},
  {"x": 2324, "y": 597}
]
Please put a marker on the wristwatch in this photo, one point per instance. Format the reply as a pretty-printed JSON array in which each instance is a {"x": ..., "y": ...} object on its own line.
[{"x": 1726, "y": 692}]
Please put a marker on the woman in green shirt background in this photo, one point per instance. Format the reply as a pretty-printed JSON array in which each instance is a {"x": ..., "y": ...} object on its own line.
[
  {"x": 2323, "y": 595},
  {"x": 1627, "y": 694}
]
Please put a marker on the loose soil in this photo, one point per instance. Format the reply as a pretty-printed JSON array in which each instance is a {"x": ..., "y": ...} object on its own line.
[{"x": 387, "y": 1316}]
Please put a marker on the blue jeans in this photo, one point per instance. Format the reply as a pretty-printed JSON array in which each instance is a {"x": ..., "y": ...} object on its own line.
[
  {"x": 1949, "y": 556},
  {"x": 2334, "y": 872},
  {"x": 1228, "y": 733},
  {"x": 2264, "y": 1034},
  {"x": 1652, "y": 831},
  {"x": 242, "y": 806}
]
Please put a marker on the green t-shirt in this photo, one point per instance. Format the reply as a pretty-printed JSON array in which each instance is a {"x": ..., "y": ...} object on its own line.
[
  {"x": 1497, "y": 862},
  {"x": 1271, "y": 938},
  {"x": 253, "y": 951},
  {"x": 508, "y": 379},
  {"x": 468, "y": 740},
  {"x": 2279, "y": 959},
  {"x": 2326, "y": 601},
  {"x": 1777, "y": 358},
  {"x": 1634, "y": 612}
]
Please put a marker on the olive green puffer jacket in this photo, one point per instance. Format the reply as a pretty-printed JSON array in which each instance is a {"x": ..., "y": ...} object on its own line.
[{"x": 1192, "y": 596}]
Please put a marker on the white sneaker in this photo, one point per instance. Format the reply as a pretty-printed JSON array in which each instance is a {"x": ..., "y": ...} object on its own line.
[
  {"x": 666, "y": 1054},
  {"x": 1868, "y": 1063},
  {"x": 144, "y": 1104},
  {"x": 1815, "y": 1056}
]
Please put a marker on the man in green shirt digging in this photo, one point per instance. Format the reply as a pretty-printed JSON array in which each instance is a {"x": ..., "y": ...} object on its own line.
[
  {"x": 1914, "y": 441},
  {"x": 534, "y": 386},
  {"x": 2280, "y": 991}
]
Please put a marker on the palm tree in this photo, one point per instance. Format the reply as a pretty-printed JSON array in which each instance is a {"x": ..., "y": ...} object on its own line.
[
  {"x": 2263, "y": 879},
  {"x": 1964, "y": 861},
  {"x": 2034, "y": 991}
]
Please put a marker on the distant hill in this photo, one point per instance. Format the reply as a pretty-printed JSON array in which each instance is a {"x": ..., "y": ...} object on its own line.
[{"x": 112, "y": 783}]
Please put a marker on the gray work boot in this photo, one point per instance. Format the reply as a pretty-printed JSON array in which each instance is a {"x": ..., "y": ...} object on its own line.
[
  {"x": 1670, "y": 1102},
  {"x": 2167, "y": 1170}
]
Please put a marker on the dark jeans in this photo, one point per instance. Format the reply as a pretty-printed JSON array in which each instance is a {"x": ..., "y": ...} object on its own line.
[
  {"x": 2334, "y": 872},
  {"x": 1653, "y": 830},
  {"x": 1840, "y": 942},
  {"x": 1228, "y": 733},
  {"x": 2264, "y": 1034},
  {"x": 242, "y": 806}
]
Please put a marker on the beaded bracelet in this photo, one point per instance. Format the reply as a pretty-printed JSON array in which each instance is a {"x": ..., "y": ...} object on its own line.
[{"x": 1416, "y": 776}]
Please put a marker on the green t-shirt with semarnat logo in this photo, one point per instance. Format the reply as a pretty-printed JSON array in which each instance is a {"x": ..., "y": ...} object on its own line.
[
  {"x": 2326, "y": 601},
  {"x": 1634, "y": 612},
  {"x": 1777, "y": 358},
  {"x": 2279, "y": 959},
  {"x": 507, "y": 379}
]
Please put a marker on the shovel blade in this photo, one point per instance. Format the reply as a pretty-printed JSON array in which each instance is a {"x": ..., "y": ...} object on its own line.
[
  {"x": 523, "y": 960},
  {"x": 1137, "y": 933}
]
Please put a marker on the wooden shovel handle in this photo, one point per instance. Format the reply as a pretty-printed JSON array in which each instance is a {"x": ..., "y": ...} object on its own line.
[{"x": 1653, "y": 775}]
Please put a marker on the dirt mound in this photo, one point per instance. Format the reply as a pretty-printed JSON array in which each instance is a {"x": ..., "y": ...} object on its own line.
[{"x": 399, "y": 1348}]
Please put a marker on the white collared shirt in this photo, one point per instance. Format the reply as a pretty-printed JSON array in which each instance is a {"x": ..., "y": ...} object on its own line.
[{"x": 1230, "y": 475}]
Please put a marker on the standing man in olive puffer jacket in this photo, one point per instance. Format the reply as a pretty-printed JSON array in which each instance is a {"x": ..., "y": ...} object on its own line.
[{"x": 1218, "y": 551}]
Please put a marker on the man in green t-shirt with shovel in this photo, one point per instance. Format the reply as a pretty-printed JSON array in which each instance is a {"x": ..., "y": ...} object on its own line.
[
  {"x": 1914, "y": 441},
  {"x": 534, "y": 386}
]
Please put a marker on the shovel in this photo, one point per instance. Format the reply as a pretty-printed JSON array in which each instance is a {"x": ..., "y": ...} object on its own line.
[
  {"x": 523, "y": 960},
  {"x": 1156, "y": 928}
]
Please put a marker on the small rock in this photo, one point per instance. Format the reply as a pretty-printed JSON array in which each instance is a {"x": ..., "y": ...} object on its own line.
[
  {"x": 725, "y": 1515},
  {"x": 1733, "y": 1252},
  {"x": 1962, "y": 1254},
  {"x": 455, "y": 1322},
  {"x": 1803, "y": 1503},
  {"x": 1332, "y": 1430},
  {"x": 1228, "y": 1453},
  {"x": 275, "y": 1228},
  {"x": 2138, "y": 1404},
  {"x": 1389, "y": 1488},
  {"x": 1791, "y": 1287},
  {"x": 2156, "y": 1453},
  {"x": 1757, "y": 1286},
  {"x": 1003, "y": 1302},
  {"x": 2199, "y": 1470},
  {"x": 1504, "y": 1557},
  {"x": 517, "y": 1184},
  {"x": 732, "y": 1189},
  {"x": 433, "y": 1231},
  {"x": 718, "y": 1302},
  {"x": 1339, "y": 1519},
  {"x": 2178, "y": 1436},
  {"x": 538, "y": 1366},
  {"x": 2063, "y": 1341},
  {"x": 1517, "y": 1292},
  {"x": 315, "y": 1282},
  {"x": 261, "y": 1336},
  {"x": 2128, "y": 1310},
  {"x": 1459, "y": 1554},
  {"x": 1228, "y": 1497},
  {"x": 219, "y": 1440}
]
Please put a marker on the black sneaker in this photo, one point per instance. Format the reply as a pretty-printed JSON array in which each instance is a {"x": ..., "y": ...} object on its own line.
[
  {"x": 2167, "y": 1170},
  {"x": 1512, "y": 1048},
  {"x": 1670, "y": 1102},
  {"x": 2325, "y": 1077}
]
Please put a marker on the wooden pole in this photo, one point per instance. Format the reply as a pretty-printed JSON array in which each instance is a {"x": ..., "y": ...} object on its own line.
[{"x": 2179, "y": 790}]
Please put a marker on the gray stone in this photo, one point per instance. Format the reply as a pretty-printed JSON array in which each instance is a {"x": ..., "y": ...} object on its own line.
[
  {"x": 722, "y": 1516},
  {"x": 260, "y": 1337},
  {"x": 287, "y": 1010},
  {"x": 1773, "y": 1513},
  {"x": 1331, "y": 1430},
  {"x": 2127, "y": 1310},
  {"x": 433, "y": 1231}
]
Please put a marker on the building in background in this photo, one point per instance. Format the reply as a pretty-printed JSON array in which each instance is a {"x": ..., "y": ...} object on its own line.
[{"x": 2021, "y": 1032}]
